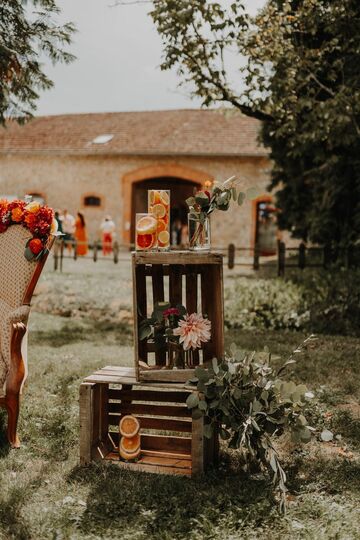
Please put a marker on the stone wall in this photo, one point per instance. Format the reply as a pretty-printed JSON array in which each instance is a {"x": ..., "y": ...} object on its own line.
[{"x": 65, "y": 180}]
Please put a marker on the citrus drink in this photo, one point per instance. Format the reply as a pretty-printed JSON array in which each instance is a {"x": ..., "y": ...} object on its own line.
[{"x": 159, "y": 207}]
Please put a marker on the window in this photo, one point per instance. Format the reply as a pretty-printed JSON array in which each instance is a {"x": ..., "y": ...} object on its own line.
[{"x": 92, "y": 200}]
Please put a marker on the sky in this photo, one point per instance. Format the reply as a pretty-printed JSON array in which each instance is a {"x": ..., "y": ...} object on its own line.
[{"x": 117, "y": 68}]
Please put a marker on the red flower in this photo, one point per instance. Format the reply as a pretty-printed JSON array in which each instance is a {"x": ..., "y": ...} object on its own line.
[
  {"x": 36, "y": 246},
  {"x": 171, "y": 311},
  {"x": 208, "y": 194}
]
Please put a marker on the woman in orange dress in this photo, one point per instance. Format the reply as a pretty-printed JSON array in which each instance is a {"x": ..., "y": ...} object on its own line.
[{"x": 81, "y": 235}]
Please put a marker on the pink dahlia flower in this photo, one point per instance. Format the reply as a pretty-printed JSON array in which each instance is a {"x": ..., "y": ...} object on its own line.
[{"x": 193, "y": 330}]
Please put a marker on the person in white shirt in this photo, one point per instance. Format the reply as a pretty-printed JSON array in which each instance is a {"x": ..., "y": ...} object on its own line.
[
  {"x": 107, "y": 229},
  {"x": 68, "y": 227}
]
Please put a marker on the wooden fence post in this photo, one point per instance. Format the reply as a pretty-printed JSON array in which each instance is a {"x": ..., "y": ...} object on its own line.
[
  {"x": 95, "y": 251},
  {"x": 116, "y": 252},
  {"x": 231, "y": 256},
  {"x": 281, "y": 258},
  {"x": 256, "y": 257},
  {"x": 74, "y": 245},
  {"x": 61, "y": 254},
  {"x": 302, "y": 256}
]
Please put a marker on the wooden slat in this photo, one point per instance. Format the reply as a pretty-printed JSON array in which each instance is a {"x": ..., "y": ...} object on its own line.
[
  {"x": 165, "y": 443},
  {"x": 192, "y": 298},
  {"x": 86, "y": 422},
  {"x": 197, "y": 446},
  {"x": 150, "y": 409},
  {"x": 140, "y": 312},
  {"x": 150, "y": 395},
  {"x": 162, "y": 375},
  {"x": 175, "y": 285},
  {"x": 113, "y": 379},
  {"x": 149, "y": 468},
  {"x": 159, "y": 424},
  {"x": 157, "y": 280},
  {"x": 177, "y": 257}
]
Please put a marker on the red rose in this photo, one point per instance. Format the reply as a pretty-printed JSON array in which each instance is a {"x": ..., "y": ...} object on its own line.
[
  {"x": 208, "y": 194},
  {"x": 36, "y": 246},
  {"x": 171, "y": 311}
]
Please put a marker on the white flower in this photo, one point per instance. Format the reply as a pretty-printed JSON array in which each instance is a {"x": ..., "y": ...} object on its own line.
[{"x": 193, "y": 331}]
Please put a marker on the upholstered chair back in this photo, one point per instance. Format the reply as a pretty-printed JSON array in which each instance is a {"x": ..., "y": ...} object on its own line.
[
  {"x": 15, "y": 270},
  {"x": 16, "y": 273}
]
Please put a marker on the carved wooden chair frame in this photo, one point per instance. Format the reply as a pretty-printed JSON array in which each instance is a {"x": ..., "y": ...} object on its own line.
[{"x": 16, "y": 373}]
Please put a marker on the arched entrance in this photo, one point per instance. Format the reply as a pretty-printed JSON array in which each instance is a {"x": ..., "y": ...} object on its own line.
[{"x": 180, "y": 180}]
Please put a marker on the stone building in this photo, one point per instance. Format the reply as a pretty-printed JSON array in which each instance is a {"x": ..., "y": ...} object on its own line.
[{"x": 104, "y": 163}]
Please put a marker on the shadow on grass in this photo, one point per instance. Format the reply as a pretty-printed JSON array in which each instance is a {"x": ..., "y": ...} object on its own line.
[
  {"x": 168, "y": 506},
  {"x": 94, "y": 331},
  {"x": 4, "y": 444}
]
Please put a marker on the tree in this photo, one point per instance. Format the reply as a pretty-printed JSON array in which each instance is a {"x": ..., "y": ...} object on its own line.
[
  {"x": 28, "y": 31},
  {"x": 301, "y": 79}
]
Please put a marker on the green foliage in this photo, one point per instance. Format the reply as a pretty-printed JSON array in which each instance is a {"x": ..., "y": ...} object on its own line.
[
  {"x": 319, "y": 301},
  {"x": 267, "y": 303},
  {"x": 301, "y": 79},
  {"x": 28, "y": 30},
  {"x": 249, "y": 404}
]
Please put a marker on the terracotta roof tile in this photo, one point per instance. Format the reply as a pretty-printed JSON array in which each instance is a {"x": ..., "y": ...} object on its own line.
[{"x": 177, "y": 132}]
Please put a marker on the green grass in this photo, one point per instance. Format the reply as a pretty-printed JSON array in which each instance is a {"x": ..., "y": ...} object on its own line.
[{"x": 45, "y": 494}]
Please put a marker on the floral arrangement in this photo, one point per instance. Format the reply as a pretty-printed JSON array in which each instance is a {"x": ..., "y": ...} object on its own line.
[
  {"x": 204, "y": 202},
  {"x": 173, "y": 328},
  {"x": 37, "y": 218},
  {"x": 250, "y": 404}
]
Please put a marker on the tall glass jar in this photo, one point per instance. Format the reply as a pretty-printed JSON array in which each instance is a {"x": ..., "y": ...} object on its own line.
[{"x": 199, "y": 233}]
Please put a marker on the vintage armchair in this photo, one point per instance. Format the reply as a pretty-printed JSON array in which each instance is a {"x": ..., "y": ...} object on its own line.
[{"x": 18, "y": 278}]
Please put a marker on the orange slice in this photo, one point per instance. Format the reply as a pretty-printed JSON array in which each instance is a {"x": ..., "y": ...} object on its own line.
[
  {"x": 129, "y": 426},
  {"x": 129, "y": 456},
  {"x": 164, "y": 197},
  {"x": 146, "y": 225},
  {"x": 130, "y": 445},
  {"x": 162, "y": 226},
  {"x": 164, "y": 238},
  {"x": 159, "y": 210},
  {"x": 154, "y": 197},
  {"x": 145, "y": 241}
]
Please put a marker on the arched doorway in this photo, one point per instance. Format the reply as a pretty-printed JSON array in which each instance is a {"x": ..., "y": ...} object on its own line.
[
  {"x": 265, "y": 225},
  {"x": 180, "y": 190},
  {"x": 179, "y": 179}
]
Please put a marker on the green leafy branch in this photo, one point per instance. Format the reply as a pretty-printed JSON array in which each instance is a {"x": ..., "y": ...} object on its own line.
[{"x": 249, "y": 404}]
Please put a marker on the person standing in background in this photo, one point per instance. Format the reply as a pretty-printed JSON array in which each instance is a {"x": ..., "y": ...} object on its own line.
[
  {"x": 81, "y": 235},
  {"x": 68, "y": 226},
  {"x": 59, "y": 222},
  {"x": 107, "y": 229}
]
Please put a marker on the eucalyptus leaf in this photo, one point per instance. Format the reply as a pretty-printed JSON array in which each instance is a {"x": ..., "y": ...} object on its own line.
[{"x": 192, "y": 400}]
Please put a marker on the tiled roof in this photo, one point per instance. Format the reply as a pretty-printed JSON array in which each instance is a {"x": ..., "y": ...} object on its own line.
[{"x": 177, "y": 132}]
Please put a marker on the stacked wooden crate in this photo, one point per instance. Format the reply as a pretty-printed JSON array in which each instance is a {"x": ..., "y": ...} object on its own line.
[{"x": 172, "y": 441}]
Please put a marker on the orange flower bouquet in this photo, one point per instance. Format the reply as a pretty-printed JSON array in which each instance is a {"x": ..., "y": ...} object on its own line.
[{"x": 37, "y": 218}]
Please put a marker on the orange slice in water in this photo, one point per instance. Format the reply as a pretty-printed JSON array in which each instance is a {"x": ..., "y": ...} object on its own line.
[
  {"x": 164, "y": 238},
  {"x": 146, "y": 225},
  {"x": 159, "y": 210},
  {"x": 155, "y": 197},
  {"x": 162, "y": 226},
  {"x": 164, "y": 197}
]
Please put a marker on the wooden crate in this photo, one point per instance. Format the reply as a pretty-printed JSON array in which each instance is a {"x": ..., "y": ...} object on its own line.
[
  {"x": 171, "y": 441},
  {"x": 192, "y": 279}
]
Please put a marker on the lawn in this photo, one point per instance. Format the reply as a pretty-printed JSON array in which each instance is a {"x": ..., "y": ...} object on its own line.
[{"x": 45, "y": 494}]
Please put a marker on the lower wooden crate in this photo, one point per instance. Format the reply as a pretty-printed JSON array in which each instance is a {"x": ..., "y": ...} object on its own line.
[{"x": 171, "y": 441}]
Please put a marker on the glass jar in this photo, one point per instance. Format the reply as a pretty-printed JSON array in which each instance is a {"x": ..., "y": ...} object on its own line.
[{"x": 199, "y": 233}]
